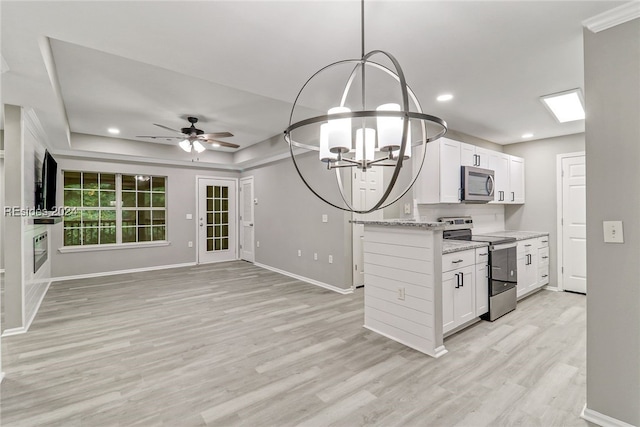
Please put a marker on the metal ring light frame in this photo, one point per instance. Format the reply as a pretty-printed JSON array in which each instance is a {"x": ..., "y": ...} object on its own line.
[{"x": 405, "y": 113}]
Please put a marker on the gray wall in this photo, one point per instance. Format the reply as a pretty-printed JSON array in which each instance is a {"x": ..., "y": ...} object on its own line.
[
  {"x": 612, "y": 95},
  {"x": 288, "y": 217},
  {"x": 181, "y": 199},
  {"x": 539, "y": 213}
]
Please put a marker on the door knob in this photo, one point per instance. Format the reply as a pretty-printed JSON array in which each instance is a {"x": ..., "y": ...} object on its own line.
[{"x": 251, "y": 224}]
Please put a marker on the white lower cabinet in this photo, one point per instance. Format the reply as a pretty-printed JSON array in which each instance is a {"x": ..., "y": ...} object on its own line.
[
  {"x": 533, "y": 265},
  {"x": 543, "y": 261},
  {"x": 465, "y": 291},
  {"x": 482, "y": 281}
]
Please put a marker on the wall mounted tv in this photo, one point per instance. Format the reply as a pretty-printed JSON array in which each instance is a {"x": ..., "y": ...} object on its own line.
[{"x": 47, "y": 197}]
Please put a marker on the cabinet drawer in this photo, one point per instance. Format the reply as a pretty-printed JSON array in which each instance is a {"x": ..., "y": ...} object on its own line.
[
  {"x": 543, "y": 276},
  {"x": 543, "y": 256},
  {"x": 527, "y": 246},
  {"x": 482, "y": 255},
  {"x": 458, "y": 260},
  {"x": 543, "y": 242}
]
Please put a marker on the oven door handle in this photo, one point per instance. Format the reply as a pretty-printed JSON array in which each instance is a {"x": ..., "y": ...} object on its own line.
[{"x": 503, "y": 246}]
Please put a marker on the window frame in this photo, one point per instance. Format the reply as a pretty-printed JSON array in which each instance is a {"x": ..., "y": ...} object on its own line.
[{"x": 119, "y": 209}]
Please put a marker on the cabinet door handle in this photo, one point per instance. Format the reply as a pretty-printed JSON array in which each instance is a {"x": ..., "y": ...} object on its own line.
[
  {"x": 483, "y": 254},
  {"x": 486, "y": 269},
  {"x": 545, "y": 241},
  {"x": 526, "y": 246},
  {"x": 456, "y": 262},
  {"x": 457, "y": 280},
  {"x": 513, "y": 196},
  {"x": 461, "y": 279},
  {"x": 545, "y": 257},
  {"x": 545, "y": 275}
]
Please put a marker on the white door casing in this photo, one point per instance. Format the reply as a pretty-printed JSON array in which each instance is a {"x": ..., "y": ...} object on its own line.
[
  {"x": 247, "y": 224},
  {"x": 366, "y": 189},
  {"x": 572, "y": 237},
  {"x": 217, "y": 220}
]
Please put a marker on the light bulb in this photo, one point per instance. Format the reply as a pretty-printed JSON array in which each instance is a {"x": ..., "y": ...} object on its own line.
[
  {"x": 407, "y": 148},
  {"x": 185, "y": 145},
  {"x": 365, "y": 150},
  {"x": 339, "y": 140},
  {"x": 389, "y": 129},
  {"x": 326, "y": 155},
  {"x": 198, "y": 147}
]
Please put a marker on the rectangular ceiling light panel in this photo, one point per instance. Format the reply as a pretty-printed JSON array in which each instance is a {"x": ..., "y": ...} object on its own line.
[{"x": 565, "y": 106}]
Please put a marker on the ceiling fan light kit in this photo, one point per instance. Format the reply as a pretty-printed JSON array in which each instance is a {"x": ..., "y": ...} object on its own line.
[{"x": 365, "y": 129}]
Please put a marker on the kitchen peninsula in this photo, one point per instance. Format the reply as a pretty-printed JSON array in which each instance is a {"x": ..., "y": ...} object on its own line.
[
  {"x": 403, "y": 282},
  {"x": 419, "y": 288}
]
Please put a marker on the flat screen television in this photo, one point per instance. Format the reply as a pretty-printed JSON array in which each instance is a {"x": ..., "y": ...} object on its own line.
[{"x": 49, "y": 178}]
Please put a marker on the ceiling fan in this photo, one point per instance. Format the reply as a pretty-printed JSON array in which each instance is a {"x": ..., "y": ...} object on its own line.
[{"x": 192, "y": 138}]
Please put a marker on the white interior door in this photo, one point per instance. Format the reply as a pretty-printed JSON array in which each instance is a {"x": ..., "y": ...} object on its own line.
[
  {"x": 366, "y": 189},
  {"x": 574, "y": 237},
  {"x": 217, "y": 220},
  {"x": 246, "y": 220}
]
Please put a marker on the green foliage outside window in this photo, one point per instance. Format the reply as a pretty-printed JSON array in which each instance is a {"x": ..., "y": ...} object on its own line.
[{"x": 141, "y": 217}]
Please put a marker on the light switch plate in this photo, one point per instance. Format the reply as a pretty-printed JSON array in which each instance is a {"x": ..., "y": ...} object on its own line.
[
  {"x": 325, "y": 218},
  {"x": 189, "y": 216},
  {"x": 613, "y": 231}
]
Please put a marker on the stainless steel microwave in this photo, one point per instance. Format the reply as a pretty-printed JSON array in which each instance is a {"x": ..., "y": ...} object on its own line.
[{"x": 477, "y": 184}]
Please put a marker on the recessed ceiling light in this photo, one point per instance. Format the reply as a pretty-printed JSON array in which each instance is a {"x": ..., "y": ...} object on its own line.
[
  {"x": 565, "y": 106},
  {"x": 527, "y": 135},
  {"x": 445, "y": 97},
  {"x": 215, "y": 144},
  {"x": 113, "y": 131}
]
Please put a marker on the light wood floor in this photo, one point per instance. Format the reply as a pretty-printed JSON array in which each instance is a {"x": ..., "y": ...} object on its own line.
[{"x": 232, "y": 344}]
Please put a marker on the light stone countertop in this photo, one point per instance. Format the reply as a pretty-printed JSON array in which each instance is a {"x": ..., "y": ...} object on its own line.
[
  {"x": 449, "y": 246},
  {"x": 433, "y": 225},
  {"x": 519, "y": 235}
]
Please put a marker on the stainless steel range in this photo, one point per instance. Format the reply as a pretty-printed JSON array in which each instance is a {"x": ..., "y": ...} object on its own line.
[{"x": 503, "y": 268}]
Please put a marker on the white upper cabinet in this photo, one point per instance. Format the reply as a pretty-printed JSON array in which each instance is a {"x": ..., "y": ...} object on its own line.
[
  {"x": 499, "y": 163},
  {"x": 470, "y": 155},
  {"x": 439, "y": 180},
  {"x": 516, "y": 182}
]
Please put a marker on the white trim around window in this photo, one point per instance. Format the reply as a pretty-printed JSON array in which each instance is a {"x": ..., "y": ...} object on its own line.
[{"x": 108, "y": 247}]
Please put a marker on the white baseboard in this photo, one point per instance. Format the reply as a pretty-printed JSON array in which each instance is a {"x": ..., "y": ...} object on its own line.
[
  {"x": 552, "y": 288},
  {"x": 35, "y": 312},
  {"x": 435, "y": 353},
  {"x": 132, "y": 270},
  {"x": 14, "y": 331},
  {"x": 601, "y": 419},
  {"x": 306, "y": 279}
]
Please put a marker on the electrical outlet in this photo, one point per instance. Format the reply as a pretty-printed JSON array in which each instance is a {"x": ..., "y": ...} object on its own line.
[
  {"x": 407, "y": 208},
  {"x": 258, "y": 244},
  {"x": 315, "y": 256},
  {"x": 299, "y": 252},
  {"x": 401, "y": 294},
  {"x": 325, "y": 218},
  {"x": 190, "y": 244},
  {"x": 189, "y": 216},
  {"x": 330, "y": 259}
]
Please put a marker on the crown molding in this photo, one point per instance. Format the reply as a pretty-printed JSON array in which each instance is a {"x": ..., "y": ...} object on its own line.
[
  {"x": 613, "y": 17},
  {"x": 32, "y": 122}
]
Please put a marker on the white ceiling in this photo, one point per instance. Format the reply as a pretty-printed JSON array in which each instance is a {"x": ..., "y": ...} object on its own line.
[{"x": 238, "y": 65}]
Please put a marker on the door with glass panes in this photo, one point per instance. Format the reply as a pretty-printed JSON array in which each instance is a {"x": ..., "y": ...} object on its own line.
[{"x": 217, "y": 220}]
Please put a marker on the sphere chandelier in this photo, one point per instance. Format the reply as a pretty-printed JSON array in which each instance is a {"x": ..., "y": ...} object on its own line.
[{"x": 383, "y": 134}]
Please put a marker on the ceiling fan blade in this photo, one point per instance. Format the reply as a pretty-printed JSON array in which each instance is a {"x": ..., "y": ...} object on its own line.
[
  {"x": 168, "y": 128},
  {"x": 160, "y": 137},
  {"x": 216, "y": 135},
  {"x": 220, "y": 143}
]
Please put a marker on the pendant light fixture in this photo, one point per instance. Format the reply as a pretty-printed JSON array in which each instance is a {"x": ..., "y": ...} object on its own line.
[{"x": 360, "y": 131}]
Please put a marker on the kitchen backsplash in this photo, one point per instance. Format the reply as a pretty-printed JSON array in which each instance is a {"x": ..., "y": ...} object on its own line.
[{"x": 486, "y": 217}]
